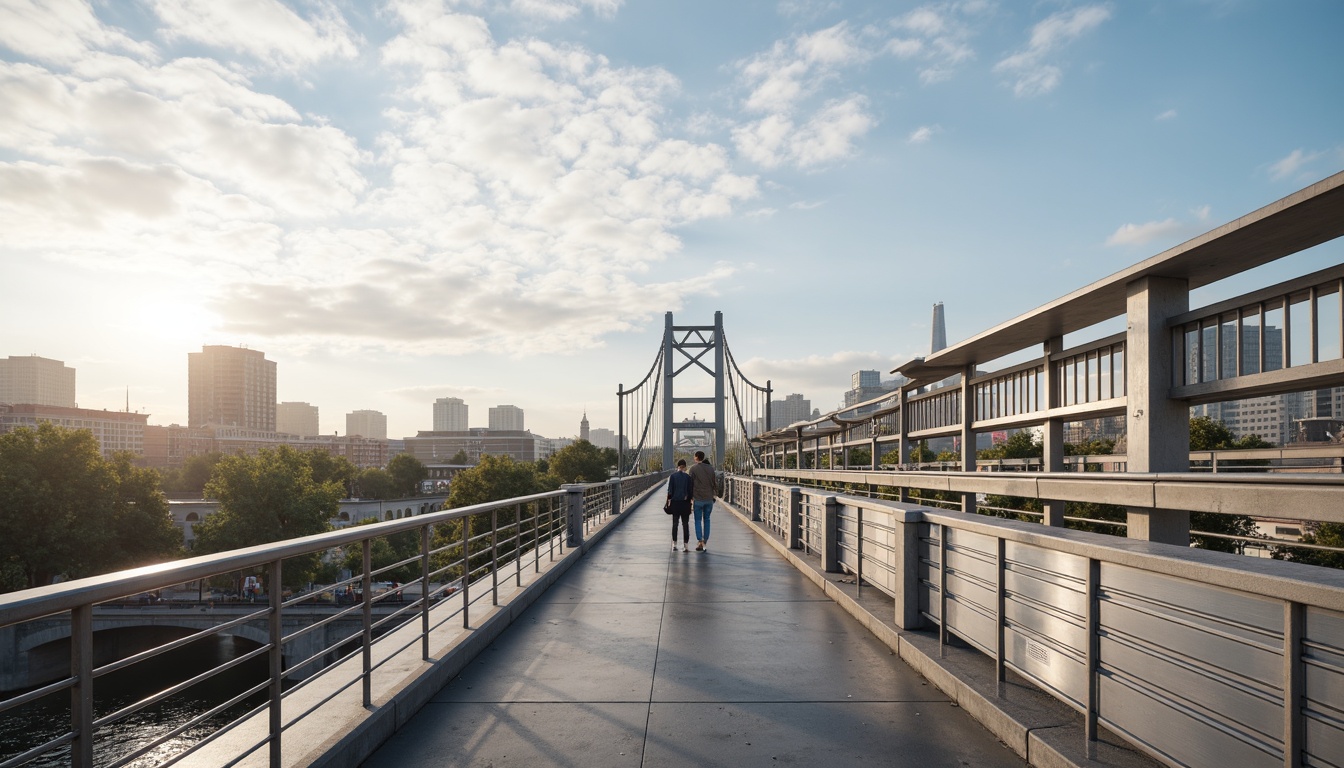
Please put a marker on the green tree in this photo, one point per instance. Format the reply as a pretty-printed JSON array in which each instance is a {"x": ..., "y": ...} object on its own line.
[
  {"x": 492, "y": 479},
  {"x": 1207, "y": 434},
  {"x": 267, "y": 497},
  {"x": 1024, "y": 444},
  {"x": 384, "y": 551},
  {"x": 460, "y": 458},
  {"x": 374, "y": 483},
  {"x": 189, "y": 480},
  {"x": 328, "y": 468},
  {"x": 580, "y": 462},
  {"x": 65, "y": 510},
  {"x": 407, "y": 473},
  {"x": 1323, "y": 534}
]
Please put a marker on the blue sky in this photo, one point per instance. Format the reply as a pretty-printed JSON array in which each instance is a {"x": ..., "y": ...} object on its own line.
[{"x": 499, "y": 201}]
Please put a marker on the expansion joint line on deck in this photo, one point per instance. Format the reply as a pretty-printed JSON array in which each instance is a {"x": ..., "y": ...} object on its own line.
[{"x": 657, "y": 648}]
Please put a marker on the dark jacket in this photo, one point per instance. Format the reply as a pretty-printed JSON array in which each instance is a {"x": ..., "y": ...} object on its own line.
[
  {"x": 704, "y": 481},
  {"x": 679, "y": 487}
]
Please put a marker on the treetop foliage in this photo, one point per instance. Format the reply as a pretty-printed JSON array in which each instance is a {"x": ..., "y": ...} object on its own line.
[{"x": 65, "y": 510}]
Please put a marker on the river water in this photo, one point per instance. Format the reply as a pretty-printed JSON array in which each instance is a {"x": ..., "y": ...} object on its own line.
[{"x": 49, "y": 717}]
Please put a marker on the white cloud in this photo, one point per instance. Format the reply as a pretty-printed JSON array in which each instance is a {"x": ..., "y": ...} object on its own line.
[
  {"x": 560, "y": 10},
  {"x": 1031, "y": 74},
  {"x": 60, "y": 31},
  {"x": 1168, "y": 230},
  {"x": 788, "y": 80},
  {"x": 263, "y": 29},
  {"x": 816, "y": 374},
  {"x": 1170, "y": 114},
  {"x": 937, "y": 37},
  {"x": 923, "y": 134},
  {"x": 1297, "y": 165},
  {"x": 517, "y": 199}
]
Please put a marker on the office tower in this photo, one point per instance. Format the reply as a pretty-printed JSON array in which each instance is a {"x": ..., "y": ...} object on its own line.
[
  {"x": 939, "y": 339},
  {"x": 37, "y": 381},
  {"x": 296, "y": 419},
  {"x": 865, "y": 379},
  {"x": 450, "y": 415},
  {"x": 583, "y": 428},
  {"x": 230, "y": 387},
  {"x": 793, "y": 408},
  {"x": 506, "y": 417},
  {"x": 366, "y": 424}
]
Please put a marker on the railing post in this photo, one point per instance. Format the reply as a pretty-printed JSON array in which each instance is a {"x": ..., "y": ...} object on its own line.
[
  {"x": 425, "y": 535},
  {"x": 81, "y": 695},
  {"x": 795, "y": 518},
  {"x": 573, "y": 514},
  {"x": 276, "y": 659},
  {"x": 830, "y": 533},
  {"x": 615, "y": 486},
  {"x": 1053, "y": 437},
  {"x": 366, "y": 638},
  {"x": 755, "y": 501},
  {"x": 907, "y": 569}
]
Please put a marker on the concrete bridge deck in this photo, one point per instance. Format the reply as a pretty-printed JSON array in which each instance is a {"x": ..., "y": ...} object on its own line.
[{"x": 640, "y": 656}]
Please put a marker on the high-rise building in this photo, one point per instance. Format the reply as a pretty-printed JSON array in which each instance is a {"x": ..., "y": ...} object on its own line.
[
  {"x": 230, "y": 387},
  {"x": 793, "y": 408},
  {"x": 866, "y": 385},
  {"x": 450, "y": 415},
  {"x": 114, "y": 430},
  {"x": 366, "y": 424},
  {"x": 506, "y": 417},
  {"x": 938, "y": 340},
  {"x": 296, "y": 419},
  {"x": 583, "y": 427},
  {"x": 37, "y": 381}
]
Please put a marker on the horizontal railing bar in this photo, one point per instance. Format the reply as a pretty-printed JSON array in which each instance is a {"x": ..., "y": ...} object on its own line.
[
  {"x": 172, "y": 690},
  {"x": 193, "y": 722},
  {"x": 40, "y": 749},
  {"x": 37, "y": 693}
]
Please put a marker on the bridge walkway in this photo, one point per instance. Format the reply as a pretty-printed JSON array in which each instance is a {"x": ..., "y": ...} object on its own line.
[{"x": 642, "y": 656}]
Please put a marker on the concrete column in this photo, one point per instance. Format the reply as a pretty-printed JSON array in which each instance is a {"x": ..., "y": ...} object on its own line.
[
  {"x": 615, "y": 496},
  {"x": 755, "y": 501},
  {"x": 830, "y": 531},
  {"x": 1157, "y": 427},
  {"x": 573, "y": 515},
  {"x": 795, "y": 518},
  {"x": 874, "y": 460},
  {"x": 967, "y": 436},
  {"x": 907, "y": 570},
  {"x": 1053, "y": 437},
  {"x": 903, "y": 445}
]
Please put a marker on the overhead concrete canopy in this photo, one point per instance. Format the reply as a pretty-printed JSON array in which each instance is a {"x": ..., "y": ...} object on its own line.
[{"x": 1306, "y": 218}]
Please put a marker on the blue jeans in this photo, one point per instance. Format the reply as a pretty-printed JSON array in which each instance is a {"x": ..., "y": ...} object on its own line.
[{"x": 702, "y": 510}]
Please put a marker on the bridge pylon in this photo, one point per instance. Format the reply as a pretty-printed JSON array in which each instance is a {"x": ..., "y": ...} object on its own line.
[{"x": 686, "y": 347}]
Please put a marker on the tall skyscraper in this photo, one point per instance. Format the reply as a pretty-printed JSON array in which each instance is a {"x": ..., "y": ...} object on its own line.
[
  {"x": 508, "y": 417},
  {"x": 366, "y": 424},
  {"x": 450, "y": 415},
  {"x": 296, "y": 419},
  {"x": 583, "y": 427},
  {"x": 939, "y": 338},
  {"x": 37, "y": 380},
  {"x": 793, "y": 408},
  {"x": 230, "y": 387}
]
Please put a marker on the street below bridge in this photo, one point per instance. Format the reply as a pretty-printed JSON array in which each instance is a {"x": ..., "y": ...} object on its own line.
[{"x": 644, "y": 656}]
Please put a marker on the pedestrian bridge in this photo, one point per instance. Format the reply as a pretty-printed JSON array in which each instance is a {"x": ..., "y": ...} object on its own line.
[{"x": 850, "y": 606}]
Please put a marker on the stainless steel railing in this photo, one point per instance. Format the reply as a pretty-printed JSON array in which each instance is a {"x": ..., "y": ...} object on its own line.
[{"x": 463, "y": 557}]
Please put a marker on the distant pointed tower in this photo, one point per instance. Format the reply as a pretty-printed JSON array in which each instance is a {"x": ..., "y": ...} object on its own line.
[
  {"x": 939, "y": 340},
  {"x": 583, "y": 426}
]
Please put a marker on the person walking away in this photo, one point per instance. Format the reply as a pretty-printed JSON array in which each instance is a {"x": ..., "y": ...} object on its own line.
[
  {"x": 704, "y": 486},
  {"x": 679, "y": 489}
]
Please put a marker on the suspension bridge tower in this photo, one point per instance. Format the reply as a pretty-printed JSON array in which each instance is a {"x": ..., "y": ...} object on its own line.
[{"x": 686, "y": 347}]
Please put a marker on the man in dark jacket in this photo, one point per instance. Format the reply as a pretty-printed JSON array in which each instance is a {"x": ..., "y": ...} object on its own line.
[{"x": 704, "y": 486}]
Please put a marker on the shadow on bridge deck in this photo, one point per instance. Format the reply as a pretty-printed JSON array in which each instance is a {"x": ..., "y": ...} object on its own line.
[{"x": 641, "y": 656}]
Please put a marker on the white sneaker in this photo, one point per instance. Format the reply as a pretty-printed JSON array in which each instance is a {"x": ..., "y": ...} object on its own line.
[
  {"x": 684, "y": 548},
  {"x": 674, "y": 546}
]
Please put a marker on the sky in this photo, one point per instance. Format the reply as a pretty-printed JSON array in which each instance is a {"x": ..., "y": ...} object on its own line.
[{"x": 500, "y": 201}]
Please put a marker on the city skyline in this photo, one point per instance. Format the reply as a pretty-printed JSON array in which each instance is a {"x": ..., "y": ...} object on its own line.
[{"x": 499, "y": 203}]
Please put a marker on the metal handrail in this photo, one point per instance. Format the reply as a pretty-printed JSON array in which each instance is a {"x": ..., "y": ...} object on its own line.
[{"x": 478, "y": 556}]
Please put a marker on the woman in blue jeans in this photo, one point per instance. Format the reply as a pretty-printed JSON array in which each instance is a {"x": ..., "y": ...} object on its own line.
[{"x": 679, "y": 505}]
